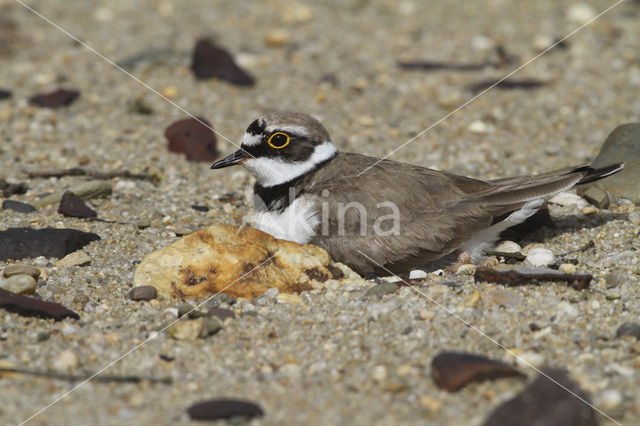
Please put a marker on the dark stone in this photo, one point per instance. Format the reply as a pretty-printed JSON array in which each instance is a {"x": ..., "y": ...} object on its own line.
[
  {"x": 73, "y": 206},
  {"x": 140, "y": 106},
  {"x": 21, "y": 243},
  {"x": 194, "y": 138},
  {"x": 56, "y": 99},
  {"x": 217, "y": 409},
  {"x": 211, "y": 61},
  {"x": 18, "y": 206},
  {"x": 544, "y": 402},
  {"x": 30, "y": 307},
  {"x": 143, "y": 293},
  {"x": 198, "y": 208},
  {"x": 221, "y": 313},
  {"x": 219, "y": 299},
  {"x": 9, "y": 189},
  {"x": 452, "y": 370},
  {"x": 511, "y": 277},
  {"x": 4, "y": 94},
  {"x": 629, "y": 329}
]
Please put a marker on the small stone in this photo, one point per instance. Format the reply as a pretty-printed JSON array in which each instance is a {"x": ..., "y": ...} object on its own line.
[
  {"x": 181, "y": 230},
  {"x": 568, "y": 199},
  {"x": 540, "y": 257},
  {"x": 5, "y": 94},
  {"x": 542, "y": 42},
  {"x": 211, "y": 61},
  {"x": 452, "y": 370},
  {"x": 19, "y": 284},
  {"x": 629, "y": 329},
  {"x": 417, "y": 274},
  {"x": 568, "y": 268},
  {"x": 478, "y": 127},
  {"x": 610, "y": 399},
  {"x": 217, "y": 409},
  {"x": 507, "y": 246},
  {"x": 597, "y": 197},
  {"x": 220, "y": 299},
  {"x": 289, "y": 298},
  {"x": 379, "y": 373},
  {"x": 66, "y": 361},
  {"x": 21, "y": 269},
  {"x": 430, "y": 403},
  {"x": 20, "y": 243},
  {"x": 186, "y": 329},
  {"x": 143, "y": 224},
  {"x": 501, "y": 297},
  {"x": 77, "y": 258},
  {"x": 73, "y": 206},
  {"x": 466, "y": 269},
  {"x": 143, "y": 293},
  {"x": 210, "y": 326},
  {"x": 581, "y": 13},
  {"x": 381, "y": 289},
  {"x": 169, "y": 92},
  {"x": 589, "y": 210},
  {"x": 426, "y": 314},
  {"x": 193, "y": 137},
  {"x": 277, "y": 38},
  {"x": 616, "y": 278},
  {"x": 56, "y": 99},
  {"x": 17, "y": 206},
  {"x": 221, "y": 313}
]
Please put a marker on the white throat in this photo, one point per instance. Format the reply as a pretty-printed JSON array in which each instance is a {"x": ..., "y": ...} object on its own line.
[{"x": 274, "y": 171}]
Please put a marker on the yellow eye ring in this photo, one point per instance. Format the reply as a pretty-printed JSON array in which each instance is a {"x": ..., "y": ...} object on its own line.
[{"x": 278, "y": 139}]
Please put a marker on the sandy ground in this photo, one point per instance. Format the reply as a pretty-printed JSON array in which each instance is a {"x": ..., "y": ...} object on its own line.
[{"x": 335, "y": 358}]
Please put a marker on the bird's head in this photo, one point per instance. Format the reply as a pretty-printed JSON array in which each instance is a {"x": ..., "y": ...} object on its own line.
[{"x": 280, "y": 147}]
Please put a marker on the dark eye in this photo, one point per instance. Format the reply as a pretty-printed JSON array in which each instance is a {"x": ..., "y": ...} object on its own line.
[{"x": 278, "y": 140}]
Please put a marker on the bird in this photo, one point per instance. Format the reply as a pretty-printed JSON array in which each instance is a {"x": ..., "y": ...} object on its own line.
[{"x": 380, "y": 216}]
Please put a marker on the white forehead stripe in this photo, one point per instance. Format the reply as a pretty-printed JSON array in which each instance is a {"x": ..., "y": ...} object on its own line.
[
  {"x": 251, "y": 140},
  {"x": 274, "y": 171},
  {"x": 296, "y": 130}
]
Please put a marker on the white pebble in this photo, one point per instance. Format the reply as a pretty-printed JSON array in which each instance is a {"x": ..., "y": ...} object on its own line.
[
  {"x": 568, "y": 199},
  {"x": 581, "y": 13},
  {"x": 565, "y": 308},
  {"x": 67, "y": 360},
  {"x": 481, "y": 42},
  {"x": 478, "y": 127},
  {"x": 527, "y": 359},
  {"x": 540, "y": 257},
  {"x": 507, "y": 246},
  {"x": 417, "y": 274},
  {"x": 610, "y": 399},
  {"x": 379, "y": 373}
]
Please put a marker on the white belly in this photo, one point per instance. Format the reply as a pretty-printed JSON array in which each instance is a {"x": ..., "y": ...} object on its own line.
[{"x": 297, "y": 222}]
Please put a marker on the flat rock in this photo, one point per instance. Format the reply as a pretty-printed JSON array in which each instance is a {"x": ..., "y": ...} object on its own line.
[
  {"x": 73, "y": 206},
  {"x": 622, "y": 145},
  {"x": 21, "y": 269},
  {"x": 77, "y": 258},
  {"x": 21, "y": 243},
  {"x": 143, "y": 293},
  {"x": 19, "y": 284},
  {"x": 55, "y": 99},
  {"x": 217, "y": 409},
  {"x": 452, "y": 370},
  {"x": 17, "y": 206},
  {"x": 211, "y": 61},
  {"x": 544, "y": 402},
  {"x": 31, "y": 307},
  {"x": 240, "y": 263},
  {"x": 85, "y": 190},
  {"x": 194, "y": 138},
  {"x": 629, "y": 329}
]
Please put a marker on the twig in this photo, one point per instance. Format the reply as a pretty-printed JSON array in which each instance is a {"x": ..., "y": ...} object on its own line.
[
  {"x": 77, "y": 171},
  {"x": 506, "y": 255},
  {"x": 77, "y": 377}
]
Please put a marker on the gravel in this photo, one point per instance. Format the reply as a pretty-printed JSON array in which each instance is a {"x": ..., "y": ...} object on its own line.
[{"x": 329, "y": 356}]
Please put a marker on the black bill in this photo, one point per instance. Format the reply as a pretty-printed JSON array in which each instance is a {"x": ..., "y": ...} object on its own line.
[{"x": 236, "y": 158}]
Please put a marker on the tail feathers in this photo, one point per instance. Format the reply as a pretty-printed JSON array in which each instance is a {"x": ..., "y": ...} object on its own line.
[{"x": 593, "y": 175}]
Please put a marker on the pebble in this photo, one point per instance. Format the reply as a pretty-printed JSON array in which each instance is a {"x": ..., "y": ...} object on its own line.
[
  {"x": 143, "y": 293},
  {"x": 77, "y": 258},
  {"x": 568, "y": 268},
  {"x": 589, "y": 210},
  {"x": 540, "y": 257},
  {"x": 289, "y": 298},
  {"x": 21, "y": 269},
  {"x": 66, "y": 361},
  {"x": 55, "y": 99},
  {"x": 507, "y": 246},
  {"x": 379, "y": 373},
  {"x": 194, "y": 138},
  {"x": 186, "y": 329},
  {"x": 527, "y": 359},
  {"x": 581, "y": 13},
  {"x": 616, "y": 278},
  {"x": 19, "y": 284},
  {"x": 169, "y": 92},
  {"x": 277, "y": 38},
  {"x": 73, "y": 206},
  {"x": 568, "y": 199},
  {"x": 19, "y": 207},
  {"x": 211, "y": 61},
  {"x": 381, "y": 289},
  {"x": 629, "y": 329},
  {"x": 596, "y": 196},
  {"x": 417, "y": 274},
  {"x": 610, "y": 399},
  {"x": 478, "y": 127}
]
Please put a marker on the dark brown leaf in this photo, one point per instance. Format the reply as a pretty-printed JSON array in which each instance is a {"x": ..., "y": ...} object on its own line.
[
  {"x": 452, "y": 370},
  {"x": 436, "y": 66},
  {"x": 529, "y": 275},
  {"x": 525, "y": 84},
  {"x": 30, "y": 307},
  {"x": 211, "y": 61},
  {"x": 21, "y": 243}
]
